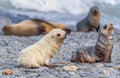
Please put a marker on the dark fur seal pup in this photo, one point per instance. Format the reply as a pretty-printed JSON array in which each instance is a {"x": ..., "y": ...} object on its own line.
[
  {"x": 91, "y": 22},
  {"x": 32, "y": 27},
  {"x": 101, "y": 52}
]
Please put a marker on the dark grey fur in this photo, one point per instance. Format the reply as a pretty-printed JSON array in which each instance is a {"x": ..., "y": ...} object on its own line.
[{"x": 91, "y": 22}]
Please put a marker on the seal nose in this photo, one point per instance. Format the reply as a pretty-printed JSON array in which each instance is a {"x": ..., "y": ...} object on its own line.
[
  {"x": 95, "y": 12},
  {"x": 5, "y": 29},
  {"x": 110, "y": 27}
]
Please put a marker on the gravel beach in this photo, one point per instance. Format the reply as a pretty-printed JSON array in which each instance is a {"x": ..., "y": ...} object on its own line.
[{"x": 10, "y": 46}]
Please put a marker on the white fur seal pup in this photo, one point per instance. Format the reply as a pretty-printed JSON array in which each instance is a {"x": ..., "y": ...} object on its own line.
[{"x": 40, "y": 53}]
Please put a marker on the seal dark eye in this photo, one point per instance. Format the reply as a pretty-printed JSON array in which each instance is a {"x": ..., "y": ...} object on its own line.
[
  {"x": 58, "y": 35},
  {"x": 105, "y": 27}
]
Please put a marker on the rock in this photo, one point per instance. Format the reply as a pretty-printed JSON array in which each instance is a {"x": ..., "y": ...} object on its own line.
[
  {"x": 99, "y": 65},
  {"x": 22, "y": 77},
  {"x": 33, "y": 74},
  {"x": 74, "y": 75},
  {"x": 47, "y": 76},
  {"x": 118, "y": 67},
  {"x": 106, "y": 72},
  {"x": 71, "y": 68},
  {"x": 8, "y": 72}
]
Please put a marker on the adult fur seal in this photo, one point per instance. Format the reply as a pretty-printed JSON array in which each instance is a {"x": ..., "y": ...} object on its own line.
[
  {"x": 40, "y": 53},
  {"x": 32, "y": 27},
  {"x": 91, "y": 22},
  {"x": 101, "y": 52}
]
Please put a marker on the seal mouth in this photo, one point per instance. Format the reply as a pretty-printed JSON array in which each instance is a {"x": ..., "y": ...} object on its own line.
[{"x": 111, "y": 28}]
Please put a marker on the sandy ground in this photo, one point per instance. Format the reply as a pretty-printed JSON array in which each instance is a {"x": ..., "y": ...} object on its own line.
[{"x": 10, "y": 46}]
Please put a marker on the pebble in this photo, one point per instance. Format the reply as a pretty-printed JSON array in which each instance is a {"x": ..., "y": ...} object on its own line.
[
  {"x": 8, "y": 72},
  {"x": 106, "y": 72},
  {"x": 118, "y": 67},
  {"x": 71, "y": 68},
  {"x": 47, "y": 76}
]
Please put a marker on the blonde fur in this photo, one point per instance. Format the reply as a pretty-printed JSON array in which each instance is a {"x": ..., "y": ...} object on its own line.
[
  {"x": 41, "y": 52},
  {"x": 32, "y": 27},
  {"x": 25, "y": 28}
]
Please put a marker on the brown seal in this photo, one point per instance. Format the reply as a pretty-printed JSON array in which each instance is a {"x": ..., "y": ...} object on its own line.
[
  {"x": 101, "y": 52},
  {"x": 32, "y": 27},
  {"x": 91, "y": 22}
]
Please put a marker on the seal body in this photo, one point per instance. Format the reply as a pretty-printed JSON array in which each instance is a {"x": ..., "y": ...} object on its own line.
[
  {"x": 104, "y": 45},
  {"x": 101, "y": 52},
  {"x": 25, "y": 28},
  {"x": 91, "y": 22},
  {"x": 84, "y": 54},
  {"x": 32, "y": 27},
  {"x": 41, "y": 52}
]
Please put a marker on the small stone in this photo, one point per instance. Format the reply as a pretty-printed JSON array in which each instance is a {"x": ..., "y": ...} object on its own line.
[
  {"x": 118, "y": 67},
  {"x": 74, "y": 75},
  {"x": 8, "y": 72},
  {"x": 47, "y": 76},
  {"x": 71, "y": 68},
  {"x": 71, "y": 73},
  {"x": 33, "y": 74},
  {"x": 106, "y": 72},
  {"x": 99, "y": 65}
]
